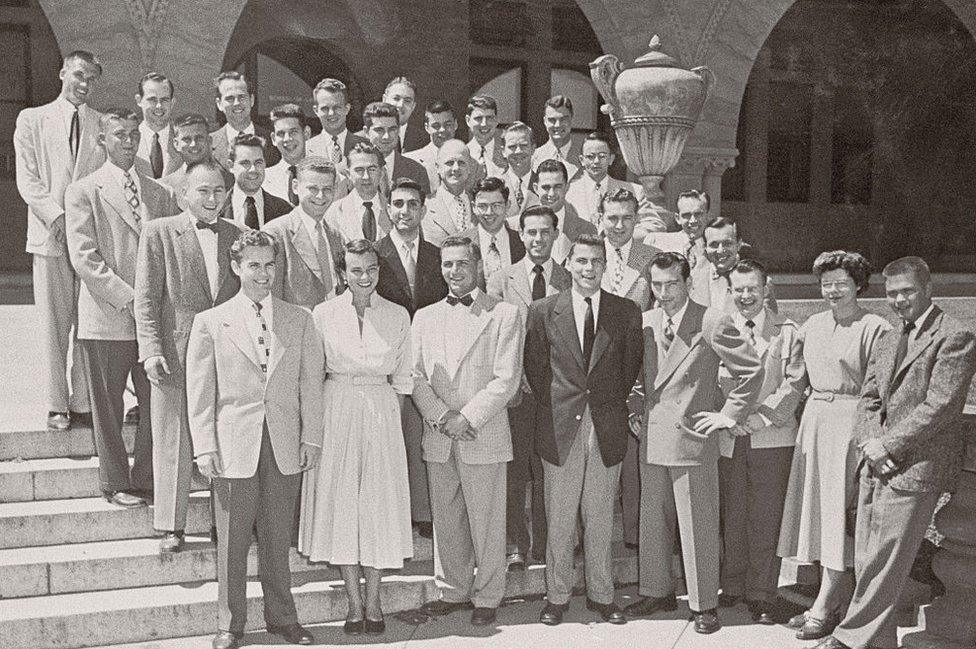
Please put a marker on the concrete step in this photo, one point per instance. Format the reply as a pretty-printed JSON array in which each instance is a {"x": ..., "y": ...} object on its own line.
[
  {"x": 55, "y": 478},
  {"x": 33, "y": 444},
  {"x": 131, "y": 563},
  {"x": 81, "y": 520},
  {"x": 68, "y": 621}
]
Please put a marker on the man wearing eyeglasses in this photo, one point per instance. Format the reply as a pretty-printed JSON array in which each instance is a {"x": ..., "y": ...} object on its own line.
[
  {"x": 587, "y": 188},
  {"x": 500, "y": 245}
]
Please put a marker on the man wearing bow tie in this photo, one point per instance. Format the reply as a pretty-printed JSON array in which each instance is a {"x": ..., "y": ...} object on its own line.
[
  {"x": 467, "y": 365},
  {"x": 183, "y": 268}
]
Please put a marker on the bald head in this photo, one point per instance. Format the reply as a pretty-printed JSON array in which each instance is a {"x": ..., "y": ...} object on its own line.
[{"x": 454, "y": 165}]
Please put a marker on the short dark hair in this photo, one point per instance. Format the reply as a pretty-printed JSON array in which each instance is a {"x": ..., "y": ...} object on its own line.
[
  {"x": 229, "y": 75},
  {"x": 379, "y": 109},
  {"x": 560, "y": 101},
  {"x": 245, "y": 139},
  {"x": 538, "y": 210},
  {"x": 484, "y": 102},
  {"x": 286, "y": 111},
  {"x": 405, "y": 81},
  {"x": 619, "y": 195},
  {"x": 117, "y": 112},
  {"x": 490, "y": 184},
  {"x": 599, "y": 136},
  {"x": 911, "y": 265},
  {"x": 158, "y": 77},
  {"x": 439, "y": 106},
  {"x": 585, "y": 239},
  {"x": 718, "y": 223},
  {"x": 407, "y": 183},
  {"x": 550, "y": 166},
  {"x": 331, "y": 85},
  {"x": 355, "y": 247},
  {"x": 458, "y": 241},
  {"x": 249, "y": 237},
  {"x": 317, "y": 163},
  {"x": 83, "y": 55},
  {"x": 750, "y": 266},
  {"x": 665, "y": 260},
  {"x": 187, "y": 120},
  {"x": 366, "y": 147},
  {"x": 853, "y": 263},
  {"x": 209, "y": 163},
  {"x": 697, "y": 195},
  {"x": 517, "y": 127}
]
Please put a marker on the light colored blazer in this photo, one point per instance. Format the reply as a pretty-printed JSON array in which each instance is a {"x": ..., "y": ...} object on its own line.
[
  {"x": 783, "y": 385},
  {"x": 438, "y": 223},
  {"x": 345, "y": 216},
  {"x": 636, "y": 283},
  {"x": 45, "y": 169},
  {"x": 512, "y": 285},
  {"x": 298, "y": 277},
  {"x": 548, "y": 152},
  {"x": 675, "y": 386},
  {"x": 427, "y": 158},
  {"x": 585, "y": 201},
  {"x": 174, "y": 160},
  {"x": 229, "y": 397},
  {"x": 103, "y": 242},
  {"x": 479, "y": 387}
]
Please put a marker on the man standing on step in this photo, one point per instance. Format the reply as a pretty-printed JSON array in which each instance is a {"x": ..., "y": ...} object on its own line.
[
  {"x": 183, "y": 268},
  {"x": 289, "y": 134},
  {"x": 254, "y": 372}
]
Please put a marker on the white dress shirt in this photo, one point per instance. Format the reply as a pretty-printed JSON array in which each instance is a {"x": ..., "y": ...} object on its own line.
[
  {"x": 530, "y": 271},
  {"x": 232, "y": 132},
  {"x": 579, "y": 312},
  {"x": 276, "y": 180},
  {"x": 454, "y": 346},
  {"x": 208, "y": 244},
  {"x": 585, "y": 197},
  {"x": 67, "y": 110},
  {"x": 501, "y": 242},
  {"x": 118, "y": 176},
  {"x": 237, "y": 206},
  {"x": 146, "y": 139},
  {"x": 675, "y": 324},
  {"x": 758, "y": 322},
  {"x": 561, "y": 244},
  {"x": 253, "y": 324}
]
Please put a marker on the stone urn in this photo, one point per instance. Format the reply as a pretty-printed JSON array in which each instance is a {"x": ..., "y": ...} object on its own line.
[{"x": 653, "y": 106}]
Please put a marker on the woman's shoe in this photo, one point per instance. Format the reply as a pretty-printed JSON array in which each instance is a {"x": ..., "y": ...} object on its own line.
[
  {"x": 375, "y": 627},
  {"x": 797, "y": 621},
  {"x": 815, "y": 628}
]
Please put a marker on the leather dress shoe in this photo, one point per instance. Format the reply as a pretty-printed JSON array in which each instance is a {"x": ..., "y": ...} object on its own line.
[
  {"x": 294, "y": 633},
  {"x": 728, "y": 601},
  {"x": 515, "y": 561},
  {"x": 171, "y": 542},
  {"x": 706, "y": 621},
  {"x": 227, "y": 640},
  {"x": 649, "y": 605},
  {"x": 440, "y": 607},
  {"x": 552, "y": 614},
  {"x": 814, "y": 628},
  {"x": 82, "y": 419},
  {"x": 354, "y": 627},
  {"x": 58, "y": 421},
  {"x": 762, "y": 612},
  {"x": 830, "y": 642},
  {"x": 609, "y": 612},
  {"x": 374, "y": 627},
  {"x": 482, "y": 616},
  {"x": 123, "y": 499}
]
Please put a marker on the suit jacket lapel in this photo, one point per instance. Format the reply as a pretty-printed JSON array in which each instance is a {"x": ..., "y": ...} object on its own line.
[
  {"x": 281, "y": 335},
  {"x": 921, "y": 344},
  {"x": 303, "y": 245},
  {"x": 601, "y": 339},
  {"x": 192, "y": 252},
  {"x": 519, "y": 280},
  {"x": 233, "y": 325},
  {"x": 387, "y": 250},
  {"x": 442, "y": 217},
  {"x": 565, "y": 324},
  {"x": 225, "y": 238},
  {"x": 112, "y": 196},
  {"x": 560, "y": 280},
  {"x": 88, "y": 146},
  {"x": 687, "y": 336},
  {"x": 475, "y": 326}
]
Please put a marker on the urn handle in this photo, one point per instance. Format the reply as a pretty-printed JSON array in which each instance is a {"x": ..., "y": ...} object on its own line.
[
  {"x": 707, "y": 77},
  {"x": 604, "y": 71}
]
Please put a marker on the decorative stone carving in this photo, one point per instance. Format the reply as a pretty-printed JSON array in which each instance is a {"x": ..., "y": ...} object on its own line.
[{"x": 147, "y": 18}]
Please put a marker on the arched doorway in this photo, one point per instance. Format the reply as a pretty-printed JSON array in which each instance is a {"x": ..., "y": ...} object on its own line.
[{"x": 857, "y": 129}]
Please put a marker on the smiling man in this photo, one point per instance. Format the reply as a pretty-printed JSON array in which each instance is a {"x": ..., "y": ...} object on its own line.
[
  {"x": 193, "y": 142},
  {"x": 485, "y": 144},
  {"x": 588, "y": 188},
  {"x": 401, "y": 93},
  {"x": 361, "y": 214},
  {"x": 440, "y": 122},
  {"x": 157, "y": 154},
  {"x": 250, "y": 206},
  {"x": 551, "y": 183},
  {"x": 449, "y": 210},
  {"x": 693, "y": 216},
  {"x": 234, "y": 99},
  {"x": 558, "y": 118},
  {"x": 500, "y": 245},
  {"x": 722, "y": 249},
  {"x": 381, "y": 122},
  {"x": 330, "y": 100},
  {"x": 289, "y": 134},
  {"x": 517, "y": 150}
]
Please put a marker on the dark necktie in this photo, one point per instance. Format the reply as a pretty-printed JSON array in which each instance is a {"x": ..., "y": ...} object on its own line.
[
  {"x": 292, "y": 174},
  {"x": 467, "y": 300},
  {"x": 369, "y": 221},
  {"x": 74, "y": 137},
  {"x": 751, "y": 330},
  {"x": 156, "y": 157},
  {"x": 589, "y": 332},
  {"x": 251, "y": 214},
  {"x": 538, "y": 283},
  {"x": 902, "y": 350},
  {"x": 203, "y": 225},
  {"x": 668, "y": 334}
]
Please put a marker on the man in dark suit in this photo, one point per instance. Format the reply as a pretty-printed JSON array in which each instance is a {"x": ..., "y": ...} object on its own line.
[
  {"x": 104, "y": 215},
  {"x": 250, "y": 206},
  {"x": 582, "y": 354},
  {"x": 549, "y": 189},
  {"x": 410, "y": 275},
  {"x": 401, "y": 93},
  {"x": 183, "y": 268},
  {"x": 532, "y": 278},
  {"x": 913, "y": 442},
  {"x": 500, "y": 245},
  {"x": 381, "y": 121},
  {"x": 157, "y": 155},
  {"x": 234, "y": 100}
]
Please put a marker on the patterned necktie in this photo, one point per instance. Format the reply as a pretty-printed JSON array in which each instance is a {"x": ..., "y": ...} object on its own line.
[
  {"x": 410, "y": 265},
  {"x": 493, "y": 260},
  {"x": 690, "y": 254},
  {"x": 482, "y": 162},
  {"x": 597, "y": 197},
  {"x": 74, "y": 136},
  {"x": 251, "y": 214},
  {"x": 618, "y": 272},
  {"x": 156, "y": 156},
  {"x": 751, "y": 330},
  {"x": 519, "y": 195},
  {"x": 460, "y": 213},
  {"x": 369, "y": 221},
  {"x": 132, "y": 196},
  {"x": 336, "y": 150},
  {"x": 263, "y": 341},
  {"x": 292, "y": 174},
  {"x": 589, "y": 332},
  {"x": 538, "y": 283},
  {"x": 322, "y": 252},
  {"x": 668, "y": 335}
]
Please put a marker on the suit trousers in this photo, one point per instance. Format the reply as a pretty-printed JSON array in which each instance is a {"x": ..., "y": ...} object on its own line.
[
  {"x": 525, "y": 469},
  {"x": 172, "y": 454},
  {"x": 109, "y": 364},
  {"x": 630, "y": 491},
  {"x": 468, "y": 504},
  {"x": 266, "y": 499},
  {"x": 585, "y": 486},
  {"x": 753, "y": 491},
  {"x": 56, "y": 299},
  {"x": 891, "y": 524},
  {"x": 688, "y": 496},
  {"x": 413, "y": 433}
]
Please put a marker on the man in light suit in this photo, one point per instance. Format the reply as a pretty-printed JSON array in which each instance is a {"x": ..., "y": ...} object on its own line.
[
  {"x": 289, "y": 134},
  {"x": 234, "y": 99},
  {"x": 361, "y": 214},
  {"x": 684, "y": 345},
  {"x": 558, "y": 118},
  {"x": 183, "y": 268},
  {"x": 723, "y": 249},
  {"x": 449, "y": 209},
  {"x": 307, "y": 249},
  {"x": 157, "y": 156},
  {"x": 582, "y": 355},
  {"x": 55, "y": 144},
  {"x": 254, "y": 376},
  {"x": 500, "y": 245},
  {"x": 550, "y": 186},
  {"x": 517, "y": 150},
  {"x": 756, "y": 456},
  {"x": 193, "y": 143},
  {"x": 467, "y": 364},
  {"x": 381, "y": 122},
  {"x": 249, "y": 204},
  {"x": 693, "y": 207},
  {"x": 485, "y": 144},
  {"x": 330, "y": 99},
  {"x": 521, "y": 283},
  {"x": 440, "y": 122},
  {"x": 410, "y": 275},
  {"x": 104, "y": 215},
  {"x": 912, "y": 439}
]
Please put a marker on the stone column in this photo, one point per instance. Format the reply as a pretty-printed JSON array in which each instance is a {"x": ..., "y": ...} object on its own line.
[
  {"x": 700, "y": 168},
  {"x": 950, "y": 621}
]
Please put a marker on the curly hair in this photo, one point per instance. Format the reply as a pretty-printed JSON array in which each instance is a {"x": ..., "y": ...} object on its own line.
[{"x": 853, "y": 263}]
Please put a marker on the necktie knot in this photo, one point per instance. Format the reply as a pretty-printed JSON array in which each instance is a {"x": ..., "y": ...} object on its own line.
[
  {"x": 465, "y": 300},
  {"x": 750, "y": 324},
  {"x": 907, "y": 327},
  {"x": 368, "y": 204},
  {"x": 257, "y": 307},
  {"x": 589, "y": 301},
  {"x": 537, "y": 269},
  {"x": 249, "y": 200},
  {"x": 203, "y": 225}
]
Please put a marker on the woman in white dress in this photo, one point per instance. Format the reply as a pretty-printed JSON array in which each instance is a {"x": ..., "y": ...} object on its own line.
[{"x": 356, "y": 503}]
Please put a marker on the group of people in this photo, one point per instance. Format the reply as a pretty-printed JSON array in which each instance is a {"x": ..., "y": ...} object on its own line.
[{"x": 486, "y": 341}]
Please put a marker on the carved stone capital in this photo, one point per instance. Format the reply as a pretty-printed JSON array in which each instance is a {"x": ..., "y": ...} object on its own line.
[{"x": 709, "y": 161}]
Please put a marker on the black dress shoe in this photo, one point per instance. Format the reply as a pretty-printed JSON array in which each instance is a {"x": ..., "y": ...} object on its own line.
[
  {"x": 293, "y": 633},
  {"x": 609, "y": 612},
  {"x": 706, "y": 621},
  {"x": 552, "y": 614},
  {"x": 515, "y": 562},
  {"x": 123, "y": 499},
  {"x": 482, "y": 616},
  {"x": 374, "y": 627},
  {"x": 227, "y": 640},
  {"x": 649, "y": 605},
  {"x": 830, "y": 642},
  {"x": 439, "y": 607},
  {"x": 425, "y": 529},
  {"x": 814, "y": 628},
  {"x": 354, "y": 627},
  {"x": 728, "y": 601},
  {"x": 171, "y": 542}
]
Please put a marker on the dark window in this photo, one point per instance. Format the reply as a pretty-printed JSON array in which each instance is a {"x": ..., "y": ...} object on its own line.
[
  {"x": 788, "y": 171},
  {"x": 15, "y": 89},
  {"x": 498, "y": 22},
  {"x": 571, "y": 31},
  {"x": 852, "y": 150}
]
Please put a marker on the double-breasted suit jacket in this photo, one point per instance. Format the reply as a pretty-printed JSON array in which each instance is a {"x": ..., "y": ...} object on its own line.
[{"x": 298, "y": 273}]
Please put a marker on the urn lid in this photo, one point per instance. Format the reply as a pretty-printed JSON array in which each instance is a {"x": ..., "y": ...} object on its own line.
[{"x": 654, "y": 57}]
